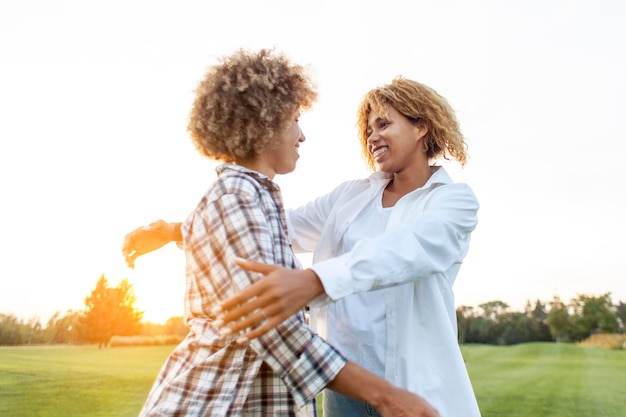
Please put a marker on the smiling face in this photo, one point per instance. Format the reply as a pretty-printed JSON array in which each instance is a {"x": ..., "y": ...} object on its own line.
[
  {"x": 281, "y": 157},
  {"x": 285, "y": 152},
  {"x": 395, "y": 142}
]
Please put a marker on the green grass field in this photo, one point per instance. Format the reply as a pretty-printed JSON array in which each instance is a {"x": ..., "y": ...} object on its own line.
[{"x": 534, "y": 380}]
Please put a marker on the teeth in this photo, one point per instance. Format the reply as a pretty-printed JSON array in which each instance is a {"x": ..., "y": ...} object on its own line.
[{"x": 379, "y": 151}]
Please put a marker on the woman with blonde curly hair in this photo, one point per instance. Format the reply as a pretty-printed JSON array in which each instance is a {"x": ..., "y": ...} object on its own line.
[
  {"x": 416, "y": 102},
  {"x": 245, "y": 114}
]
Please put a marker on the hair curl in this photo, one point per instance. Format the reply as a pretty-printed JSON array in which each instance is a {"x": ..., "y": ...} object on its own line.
[
  {"x": 245, "y": 102},
  {"x": 415, "y": 101}
]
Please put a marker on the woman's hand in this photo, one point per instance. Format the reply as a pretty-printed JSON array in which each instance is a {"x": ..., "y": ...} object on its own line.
[
  {"x": 148, "y": 238},
  {"x": 268, "y": 302}
]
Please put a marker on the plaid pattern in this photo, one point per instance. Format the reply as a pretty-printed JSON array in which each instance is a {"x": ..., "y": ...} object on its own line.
[{"x": 278, "y": 374}]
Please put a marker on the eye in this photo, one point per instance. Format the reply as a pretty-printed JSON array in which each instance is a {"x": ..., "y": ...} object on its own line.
[{"x": 383, "y": 124}]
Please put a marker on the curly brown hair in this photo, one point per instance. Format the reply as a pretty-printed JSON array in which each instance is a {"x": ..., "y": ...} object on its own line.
[
  {"x": 415, "y": 101},
  {"x": 245, "y": 101}
]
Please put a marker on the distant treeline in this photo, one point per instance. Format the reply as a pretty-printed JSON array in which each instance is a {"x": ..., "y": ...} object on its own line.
[
  {"x": 66, "y": 329},
  {"x": 109, "y": 312},
  {"x": 555, "y": 321}
]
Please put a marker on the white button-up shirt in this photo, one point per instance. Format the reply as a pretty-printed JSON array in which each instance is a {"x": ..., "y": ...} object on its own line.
[{"x": 413, "y": 265}]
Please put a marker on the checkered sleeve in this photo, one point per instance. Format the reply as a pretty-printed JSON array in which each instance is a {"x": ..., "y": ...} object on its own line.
[{"x": 302, "y": 359}]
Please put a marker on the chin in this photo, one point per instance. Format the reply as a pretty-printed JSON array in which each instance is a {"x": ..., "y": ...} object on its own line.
[
  {"x": 287, "y": 170},
  {"x": 381, "y": 168}
]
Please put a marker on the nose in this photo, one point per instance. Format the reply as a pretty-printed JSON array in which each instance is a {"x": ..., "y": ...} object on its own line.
[
  {"x": 301, "y": 138},
  {"x": 372, "y": 137}
]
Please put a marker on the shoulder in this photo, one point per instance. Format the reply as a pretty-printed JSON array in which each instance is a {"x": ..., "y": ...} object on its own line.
[
  {"x": 442, "y": 186},
  {"x": 237, "y": 183},
  {"x": 454, "y": 196},
  {"x": 240, "y": 181},
  {"x": 352, "y": 185},
  {"x": 375, "y": 181},
  {"x": 230, "y": 190}
]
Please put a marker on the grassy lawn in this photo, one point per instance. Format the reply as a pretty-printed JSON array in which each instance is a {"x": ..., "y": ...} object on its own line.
[
  {"x": 534, "y": 380},
  {"x": 66, "y": 381},
  {"x": 548, "y": 380}
]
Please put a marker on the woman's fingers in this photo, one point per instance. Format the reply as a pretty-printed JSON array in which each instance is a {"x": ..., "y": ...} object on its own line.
[
  {"x": 267, "y": 303},
  {"x": 243, "y": 297},
  {"x": 237, "y": 314},
  {"x": 255, "y": 317},
  {"x": 258, "y": 331},
  {"x": 255, "y": 266}
]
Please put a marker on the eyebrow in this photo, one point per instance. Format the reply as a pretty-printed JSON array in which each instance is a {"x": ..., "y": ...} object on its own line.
[{"x": 377, "y": 120}]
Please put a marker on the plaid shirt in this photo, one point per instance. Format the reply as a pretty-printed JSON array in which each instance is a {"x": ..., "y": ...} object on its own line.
[{"x": 277, "y": 374}]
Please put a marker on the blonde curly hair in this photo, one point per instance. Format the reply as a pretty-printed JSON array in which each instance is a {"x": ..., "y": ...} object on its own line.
[
  {"x": 245, "y": 102},
  {"x": 415, "y": 101}
]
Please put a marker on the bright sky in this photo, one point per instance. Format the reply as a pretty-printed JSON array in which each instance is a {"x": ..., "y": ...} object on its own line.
[{"x": 94, "y": 98}]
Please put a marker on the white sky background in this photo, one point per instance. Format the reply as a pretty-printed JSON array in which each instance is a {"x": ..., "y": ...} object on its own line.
[{"x": 94, "y": 98}]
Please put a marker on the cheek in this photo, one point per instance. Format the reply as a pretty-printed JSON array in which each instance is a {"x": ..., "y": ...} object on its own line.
[{"x": 296, "y": 134}]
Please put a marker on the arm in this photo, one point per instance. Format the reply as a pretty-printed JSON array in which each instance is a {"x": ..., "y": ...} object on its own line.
[
  {"x": 269, "y": 301},
  {"x": 303, "y": 360},
  {"x": 306, "y": 223},
  {"x": 149, "y": 238},
  {"x": 390, "y": 401},
  {"x": 245, "y": 224},
  {"x": 427, "y": 245}
]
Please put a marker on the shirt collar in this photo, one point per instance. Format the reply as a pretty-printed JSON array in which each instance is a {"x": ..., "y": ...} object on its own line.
[
  {"x": 264, "y": 180},
  {"x": 439, "y": 176}
]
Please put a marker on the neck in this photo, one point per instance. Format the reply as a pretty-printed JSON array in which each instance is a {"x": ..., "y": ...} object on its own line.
[
  {"x": 258, "y": 165},
  {"x": 404, "y": 182}
]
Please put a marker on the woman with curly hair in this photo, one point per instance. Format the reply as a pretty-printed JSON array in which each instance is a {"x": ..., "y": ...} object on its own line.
[{"x": 245, "y": 114}]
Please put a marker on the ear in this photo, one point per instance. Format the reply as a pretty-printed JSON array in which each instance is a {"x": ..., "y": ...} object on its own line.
[{"x": 421, "y": 128}]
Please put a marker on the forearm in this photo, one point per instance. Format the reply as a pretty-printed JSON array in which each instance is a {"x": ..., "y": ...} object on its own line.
[
  {"x": 146, "y": 239},
  {"x": 358, "y": 383},
  {"x": 398, "y": 256},
  {"x": 389, "y": 400}
]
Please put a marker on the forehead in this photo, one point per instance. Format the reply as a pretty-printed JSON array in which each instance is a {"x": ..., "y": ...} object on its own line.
[{"x": 386, "y": 112}]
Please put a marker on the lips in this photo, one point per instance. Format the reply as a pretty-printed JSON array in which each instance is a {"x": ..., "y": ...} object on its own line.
[{"x": 378, "y": 151}]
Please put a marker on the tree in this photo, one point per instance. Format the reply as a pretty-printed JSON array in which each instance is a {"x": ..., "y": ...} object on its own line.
[
  {"x": 593, "y": 315},
  {"x": 558, "y": 320},
  {"x": 10, "y": 330},
  {"x": 110, "y": 311},
  {"x": 32, "y": 331},
  {"x": 62, "y": 329},
  {"x": 492, "y": 309},
  {"x": 481, "y": 330},
  {"x": 539, "y": 315},
  {"x": 464, "y": 316},
  {"x": 514, "y": 328},
  {"x": 176, "y": 325},
  {"x": 620, "y": 312}
]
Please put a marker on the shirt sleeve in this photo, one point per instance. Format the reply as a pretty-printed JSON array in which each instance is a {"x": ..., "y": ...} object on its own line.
[
  {"x": 431, "y": 242},
  {"x": 303, "y": 360},
  {"x": 309, "y": 220}
]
